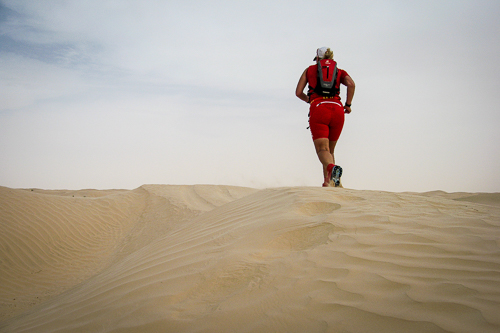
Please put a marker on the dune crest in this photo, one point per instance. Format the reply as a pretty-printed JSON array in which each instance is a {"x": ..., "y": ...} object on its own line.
[{"x": 228, "y": 259}]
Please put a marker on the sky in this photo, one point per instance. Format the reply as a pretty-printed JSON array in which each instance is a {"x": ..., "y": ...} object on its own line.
[{"x": 120, "y": 93}]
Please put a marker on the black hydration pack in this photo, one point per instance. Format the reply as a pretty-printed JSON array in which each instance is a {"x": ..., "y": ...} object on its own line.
[{"x": 326, "y": 84}]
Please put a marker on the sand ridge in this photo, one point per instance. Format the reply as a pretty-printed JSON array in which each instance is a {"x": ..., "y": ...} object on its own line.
[
  {"x": 50, "y": 242},
  {"x": 228, "y": 259}
]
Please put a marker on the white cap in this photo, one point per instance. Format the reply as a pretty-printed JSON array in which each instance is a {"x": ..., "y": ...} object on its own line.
[{"x": 320, "y": 53}]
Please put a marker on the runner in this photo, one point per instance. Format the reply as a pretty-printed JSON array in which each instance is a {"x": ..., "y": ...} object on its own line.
[{"x": 326, "y": 112}]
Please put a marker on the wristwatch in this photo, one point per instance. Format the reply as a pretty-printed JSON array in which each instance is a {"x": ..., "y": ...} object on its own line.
[{"x": 349, "y": 105}]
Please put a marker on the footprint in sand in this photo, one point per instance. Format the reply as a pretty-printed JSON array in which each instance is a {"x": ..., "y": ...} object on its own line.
[
  {"x": 318, "y": 208},
  {"x": 302, "y": 239}
]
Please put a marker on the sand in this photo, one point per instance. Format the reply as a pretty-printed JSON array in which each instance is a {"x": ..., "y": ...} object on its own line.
[{"x": 164, "y": 258}]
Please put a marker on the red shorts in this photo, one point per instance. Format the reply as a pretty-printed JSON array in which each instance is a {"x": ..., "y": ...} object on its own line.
[{"x": 326, "y": 119}]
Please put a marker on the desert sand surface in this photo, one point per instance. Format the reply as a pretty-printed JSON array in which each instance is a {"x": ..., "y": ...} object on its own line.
[{"x": 207, "y": 258}]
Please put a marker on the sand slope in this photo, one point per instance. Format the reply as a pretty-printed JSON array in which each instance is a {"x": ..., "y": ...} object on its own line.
[{"x": 228, "y": 259}]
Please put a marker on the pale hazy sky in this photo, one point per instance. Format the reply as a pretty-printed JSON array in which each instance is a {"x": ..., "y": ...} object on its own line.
[{"x": 116, "y": 94}]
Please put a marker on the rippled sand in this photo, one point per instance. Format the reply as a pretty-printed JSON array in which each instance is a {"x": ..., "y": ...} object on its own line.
[{"x": 203, "y": 258}]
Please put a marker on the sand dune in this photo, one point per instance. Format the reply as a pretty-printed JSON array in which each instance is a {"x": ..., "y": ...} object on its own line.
[{"x": 228, "y": 259}]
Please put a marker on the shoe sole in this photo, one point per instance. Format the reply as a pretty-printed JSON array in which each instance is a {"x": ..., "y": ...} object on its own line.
[{"x": 336, "y": 174}]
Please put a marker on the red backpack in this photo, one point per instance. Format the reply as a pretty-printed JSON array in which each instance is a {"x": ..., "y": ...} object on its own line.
[{"x": 327, "y": 83}]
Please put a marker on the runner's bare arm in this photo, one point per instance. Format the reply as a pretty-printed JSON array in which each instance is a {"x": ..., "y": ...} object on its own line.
[
  {"x": 351, "y": 86},
  {"x": 299, "y": 92}
]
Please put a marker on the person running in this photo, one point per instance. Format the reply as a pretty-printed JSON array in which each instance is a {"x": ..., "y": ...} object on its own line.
[{"x": 326, "y": 112}]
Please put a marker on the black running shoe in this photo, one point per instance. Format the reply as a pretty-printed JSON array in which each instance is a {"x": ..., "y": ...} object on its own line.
[{"x": 336, "y": 174}]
